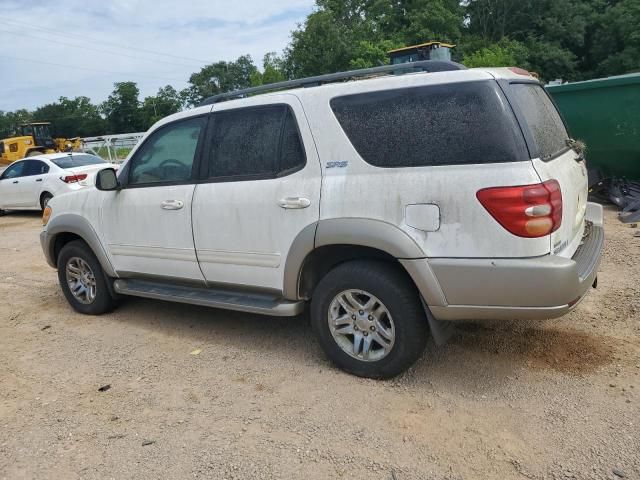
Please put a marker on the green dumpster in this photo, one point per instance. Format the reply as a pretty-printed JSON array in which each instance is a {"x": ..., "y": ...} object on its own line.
[{"x": 605, "y": 114}]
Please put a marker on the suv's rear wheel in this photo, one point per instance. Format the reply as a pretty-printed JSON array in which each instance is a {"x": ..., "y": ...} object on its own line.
[
  {"x": 368, "y": 318},
  {"x": 82, "y": 280}
]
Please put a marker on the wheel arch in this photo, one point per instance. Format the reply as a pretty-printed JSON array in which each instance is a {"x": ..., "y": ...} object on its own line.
[
  {"x": 42, "y": 194},
  {"x": 65, "y": 228},
  {"x": 325, "y": 244}
]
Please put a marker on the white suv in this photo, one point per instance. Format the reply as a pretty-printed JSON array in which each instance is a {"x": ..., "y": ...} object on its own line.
[{"x": 390, "y": 204}]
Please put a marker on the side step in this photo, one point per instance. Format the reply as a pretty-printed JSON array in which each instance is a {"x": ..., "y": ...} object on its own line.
[{"x": 263, "y": 303}]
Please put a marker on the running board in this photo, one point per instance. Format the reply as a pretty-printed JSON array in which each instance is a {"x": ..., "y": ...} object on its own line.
[{"x": 263, "y": 303}]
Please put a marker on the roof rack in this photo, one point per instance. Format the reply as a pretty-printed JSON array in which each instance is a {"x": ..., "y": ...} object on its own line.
[{"x": 421, "y": 66}]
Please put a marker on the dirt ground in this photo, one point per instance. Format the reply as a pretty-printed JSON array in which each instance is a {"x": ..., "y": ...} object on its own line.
[{"x": 202, "y": 393}]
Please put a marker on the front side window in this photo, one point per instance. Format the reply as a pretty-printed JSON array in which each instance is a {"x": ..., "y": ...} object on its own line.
[
  {"x": 255, "y": 142},
  {"x": 546, "y": 126},
  {"x": 450, "y": 124},
  {"x": 168, "y": 154},
  {"x": 14, "y": 170}
]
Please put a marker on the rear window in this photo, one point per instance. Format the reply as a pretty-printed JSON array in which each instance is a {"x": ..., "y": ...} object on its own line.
[
  {"x": 452, "y": 124},
  {"x": 73, "y": 161},
  {"x": 546, "y": 126}
]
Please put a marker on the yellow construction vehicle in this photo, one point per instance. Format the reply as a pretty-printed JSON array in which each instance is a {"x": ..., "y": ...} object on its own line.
[
  {"x": 424, "y": 51},
  {"x": 34, "y": 139}
]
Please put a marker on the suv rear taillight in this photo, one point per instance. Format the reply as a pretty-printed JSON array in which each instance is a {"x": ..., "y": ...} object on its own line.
[
  {"x": 526, "y": 211},
  {"x": 74, "y": 178}
]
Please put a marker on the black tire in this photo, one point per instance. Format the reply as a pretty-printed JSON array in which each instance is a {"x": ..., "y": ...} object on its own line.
[
  {"x": 2, "y": 212},
  {"x": 103, "y": 301},
  {"x": 44, "y": 199},
  {"x": 399, "y": 295}
]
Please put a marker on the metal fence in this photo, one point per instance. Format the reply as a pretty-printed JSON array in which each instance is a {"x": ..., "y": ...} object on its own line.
[{"x": 113, "y": 148}]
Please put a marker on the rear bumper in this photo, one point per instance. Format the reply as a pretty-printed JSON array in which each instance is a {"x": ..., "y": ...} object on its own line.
[{"x": 529, "y": 288}]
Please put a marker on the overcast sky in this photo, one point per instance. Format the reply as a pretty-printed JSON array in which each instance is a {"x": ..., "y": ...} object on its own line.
[{"x": 53, "y": 48}]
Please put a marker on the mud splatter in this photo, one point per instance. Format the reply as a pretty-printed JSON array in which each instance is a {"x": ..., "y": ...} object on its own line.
[{"x": 563, "y": 350}]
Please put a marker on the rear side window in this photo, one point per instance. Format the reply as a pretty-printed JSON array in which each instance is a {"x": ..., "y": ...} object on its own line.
[
  {"x": 35, "y": 167},
  {"x": 546, "y": 126},
  {"x": 452, "y": 124},
  {"x": 255, "y": 142}
]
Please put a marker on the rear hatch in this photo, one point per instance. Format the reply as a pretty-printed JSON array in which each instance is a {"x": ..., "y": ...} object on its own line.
[{"x": 553, "y": 159}]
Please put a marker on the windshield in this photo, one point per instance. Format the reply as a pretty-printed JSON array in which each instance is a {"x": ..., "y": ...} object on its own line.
[
  {"x": 41, "y": 131},
  {"x": 72, "y": 161}
]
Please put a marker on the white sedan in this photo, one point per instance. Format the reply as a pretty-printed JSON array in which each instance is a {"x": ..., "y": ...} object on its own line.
[{"x": 30, "y": 183}]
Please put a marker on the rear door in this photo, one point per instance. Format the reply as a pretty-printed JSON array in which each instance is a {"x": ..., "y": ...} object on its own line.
[
  {"x": 261, "y": 189},
  {"x": 34, "y": 175},
  {"x": 553, "y": 160}
]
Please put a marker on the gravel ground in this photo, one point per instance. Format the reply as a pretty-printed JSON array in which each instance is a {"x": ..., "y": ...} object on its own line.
[{"x": 202, "y": 393}]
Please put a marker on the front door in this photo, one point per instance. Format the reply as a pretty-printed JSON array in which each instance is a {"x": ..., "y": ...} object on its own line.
[
  {"x": 147, "y": 224},
  {"x": 13, "y": 186},
  {"x": 262, "y": 188}
]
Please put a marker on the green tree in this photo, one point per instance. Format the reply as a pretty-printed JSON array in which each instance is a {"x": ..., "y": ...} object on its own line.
[
  {"x": 166, "y": 102},
  {"x": 557, "y": 34},
  {"x": 426, "y": 20},
  {"x": 122, "y": 109},
  {"x": 372, "y": 54},
  {"x": 343, "y": 34},
  {"x": 616, "y": 40},
  {"x": 219, "y": 77},
  {"x": 10, "y": 121},
  {"x": 506, "y": 53},
  {"x": 273, "y": 70},
  {"x": 321, "y": 45},
  {"x": 76, "y": 117}
]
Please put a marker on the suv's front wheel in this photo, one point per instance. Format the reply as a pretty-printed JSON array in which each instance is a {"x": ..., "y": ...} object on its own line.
[
  {"x": 82, "y": 279},
  {"x": 368, "y": 318}
]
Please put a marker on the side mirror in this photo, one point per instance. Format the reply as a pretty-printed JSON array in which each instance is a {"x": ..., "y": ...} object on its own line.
[{"x": 106, "y": 180}]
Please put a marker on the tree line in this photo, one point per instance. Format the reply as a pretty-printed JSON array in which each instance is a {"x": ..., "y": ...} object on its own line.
[{"x": 568, "y": 39}]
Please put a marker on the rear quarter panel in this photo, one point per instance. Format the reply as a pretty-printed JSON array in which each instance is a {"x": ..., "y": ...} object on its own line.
[{"x": 353, "y": 188}]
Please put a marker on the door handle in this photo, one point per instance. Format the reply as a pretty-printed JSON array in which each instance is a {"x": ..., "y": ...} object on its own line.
[
  {"x": 294, "y": 202},
  {"x": 172, "y": 204},
  {"x": 15, "y": 181},
  {"x": 38, "y": 179}
]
